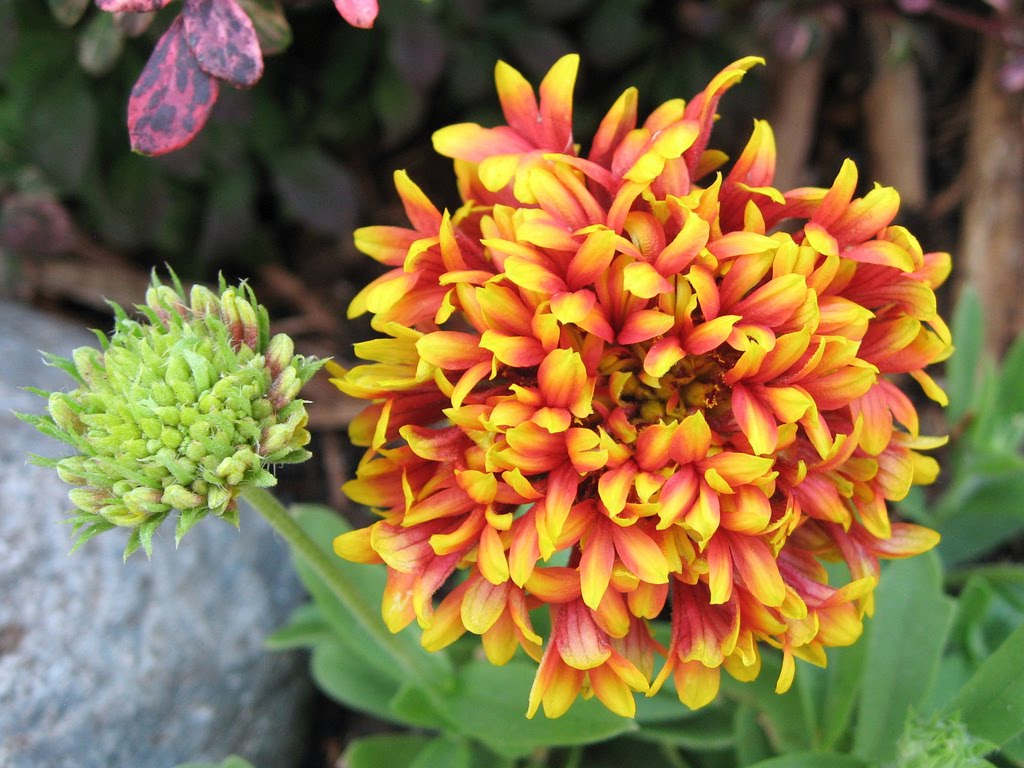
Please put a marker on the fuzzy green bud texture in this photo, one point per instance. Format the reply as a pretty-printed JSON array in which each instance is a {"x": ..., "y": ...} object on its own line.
[{"x": 177, "y": 411}]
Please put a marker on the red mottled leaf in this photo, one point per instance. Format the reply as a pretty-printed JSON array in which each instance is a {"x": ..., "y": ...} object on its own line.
[
  {"x": 358, "y": 13},
  {"x": 132, "y": 6},
  {"x": 172, "y": 99},
  {"x": 224, "y": 41}
]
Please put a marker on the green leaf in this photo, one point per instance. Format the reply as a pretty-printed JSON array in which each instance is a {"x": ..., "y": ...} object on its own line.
[
  {"x": 68, "y": 12},
  {"x": 812, "y": 760},
  {"x": 272, "y": 28},
  {"x": 398, "y": 107},
  {"x": 664, "y": 706},
  {"x": 904, "y": 645},
  {"x": 390, "y": 750},
  {"x": 781, "y": 715},
  {"x": 305, "y": 628},
  {"x": 1011, "y": 379},
  {"x": 100, "y": 45},
  {"x": 346, "y": 678},
  {"x": 444, "y": 752},
  {"x": 840, "y": 687},
  {"x": 751, "y": 743},
  {"x": 991, "y": 704},
  {"x": 983, "y": 513},
  {"x": 968, "y": 329},
  {"x": 414, "y": 706},
  {"x": 489, "y": 704},
  {"x": 62, "y": 130},
  {"x": 323, "y": 525},
  {"x": 316, "y": 190},
  {"x": 626, "y": 751},
  {"x": 709, "y": 729}
]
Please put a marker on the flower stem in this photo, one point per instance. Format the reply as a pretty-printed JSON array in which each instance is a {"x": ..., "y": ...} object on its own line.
[{"x": 281, "y": 520}]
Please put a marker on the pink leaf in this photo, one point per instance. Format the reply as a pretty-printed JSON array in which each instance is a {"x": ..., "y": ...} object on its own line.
[
  {"x": 131, "y": 6},
  {"x": 224, "y": 41},
  {"x": 172, "y": 99},
  {"x": 358, "y": 13}
]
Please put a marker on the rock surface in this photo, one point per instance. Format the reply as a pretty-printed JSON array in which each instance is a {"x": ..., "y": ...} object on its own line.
[{"x": 109, "y": 665}]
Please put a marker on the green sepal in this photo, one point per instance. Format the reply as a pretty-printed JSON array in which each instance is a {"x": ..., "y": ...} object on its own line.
[
  {"x": 86, "y": 529},
  {"x": 186, "y": 520},
  {"x": 65, "y": 364}
]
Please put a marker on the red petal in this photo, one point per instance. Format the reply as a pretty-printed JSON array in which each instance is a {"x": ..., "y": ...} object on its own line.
[
  {"x": 172, "y": 99},
  {"x": 358, "y": 13},
  {"x": 224, "y": 41}
]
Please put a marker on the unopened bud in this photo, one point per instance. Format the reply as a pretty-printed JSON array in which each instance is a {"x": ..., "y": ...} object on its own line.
[
  {"x": 203, "y": 301},
  {"x": 163, "y": 299},
  {"x": 284, "y": 389},
  {"x": 89, "y": 499},
  {"x": 89, "y": 363},
  {"x": 64, "y": 414},
  {"x": 180, "y": 497},
  {"x": 241, "y": 319},
  {"x": 279, "y": 354},
  {"x": 143, "y": 501}
]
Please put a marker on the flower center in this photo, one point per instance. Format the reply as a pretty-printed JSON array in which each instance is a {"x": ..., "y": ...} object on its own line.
[{"x": 695, "y": 383}]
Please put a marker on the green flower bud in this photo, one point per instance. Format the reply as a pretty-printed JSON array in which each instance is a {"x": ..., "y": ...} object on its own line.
[
  {"x": 204, "y": 301},
  {"x": 89, "y": 363},
  {"x": 180, "y": 497},
  {"x": 279, "y": 354},
  {"x": 285, "y": 388},
  {"x": 64, "y": 414},
  {"x": 179, "y": 411}
]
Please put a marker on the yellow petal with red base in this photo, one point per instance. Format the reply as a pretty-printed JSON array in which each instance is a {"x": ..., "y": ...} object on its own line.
[
  {"x": 696, "y": 685},
  {"x": 596, "y": 564},
  {"x": 562, "y": 379},
  {"x": 643, "y": 280},
  {"x": 572, "y": 307},
  {"x": 612, "y": 691},
  {"x": 580, "y": 642},
  {"x": 756, "y": 566},
  {"x": 396, "y": 607},
  {"x": 517, "y": 351},
  {"x": 355, "y": 546},
  {"x": 640, "y": 554},
  {"x": 556, "y": 103},
  {"x": 614, "y": 487},
  {"x": 482, "y": 604},
  {"x": 469, "y": 141},
  {"x": 645, "y": 325},
  {"x": 518, "y": 102},
  {"x": 556, "y": 685},
  {"x": 451, "y": 350},
  {"x": 756, "y": 421},
  {"x": 907, "y": 540},
  {"x": 446, "y": 624},
  {"x": 710, "y": 335}
]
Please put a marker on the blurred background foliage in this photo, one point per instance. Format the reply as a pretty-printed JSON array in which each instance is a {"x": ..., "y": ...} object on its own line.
[
  {"x": 922, "y": 94},
  {"x": 285, "y": 171}
]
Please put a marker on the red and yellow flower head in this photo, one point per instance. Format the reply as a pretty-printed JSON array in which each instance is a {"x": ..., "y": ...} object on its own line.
[{"x": 621, "y": 383}]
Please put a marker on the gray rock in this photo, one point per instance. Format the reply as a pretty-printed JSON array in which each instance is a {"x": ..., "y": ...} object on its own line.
[{"x": 104, "y": 664}]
